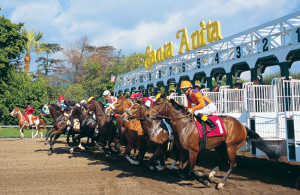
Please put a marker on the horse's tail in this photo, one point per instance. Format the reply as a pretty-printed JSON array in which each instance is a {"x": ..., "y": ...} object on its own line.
[
  {"x": 258, "y": 142},
  {"x": 43, "y": 123}
]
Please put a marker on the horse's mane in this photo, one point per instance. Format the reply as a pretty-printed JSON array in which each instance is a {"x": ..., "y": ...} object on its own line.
[
  {"x": 55, "y": 106},
  {"x": 177, "y": 106}
]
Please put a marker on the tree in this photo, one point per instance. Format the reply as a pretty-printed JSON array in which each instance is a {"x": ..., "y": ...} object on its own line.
[
  {"x": 46, "y": 64},
  {"x": 12, "y": 44},
  {"x": 32, "y": 45}
]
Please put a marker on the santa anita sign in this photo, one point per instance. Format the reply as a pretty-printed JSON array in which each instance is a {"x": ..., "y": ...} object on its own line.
[{"x": 212, "y": 31}]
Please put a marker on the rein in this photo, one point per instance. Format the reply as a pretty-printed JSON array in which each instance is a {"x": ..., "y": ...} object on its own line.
[{"x": 156, "y": 115}]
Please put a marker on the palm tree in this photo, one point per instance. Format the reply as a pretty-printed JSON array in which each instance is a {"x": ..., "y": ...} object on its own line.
[{"x": 32, "y": 45}]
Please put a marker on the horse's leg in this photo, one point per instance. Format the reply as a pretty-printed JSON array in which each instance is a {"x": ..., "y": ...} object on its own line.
[
  {"x": 49, "y": 131},
  {"x": 37, "y": 131},
  {"x": 21, "y": 131},
  {"x": 127, "y": 150},
  {"x": 158, "y": 153},
  {"x": 31, "y": 132},
  {"x": 41, "y": 134},
  {"x": 222, "y": 151},
  {"x": 231, "y": 150},
  {"x": 192, "y": 162},
  {"x": 99, "y": 147},
  {"x": 52, "y": 142}
]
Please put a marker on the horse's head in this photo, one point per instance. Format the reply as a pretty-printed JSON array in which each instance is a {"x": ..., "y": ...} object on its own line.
[
  {"x": 45, "y": 110},
  {"x": 15, "y": 111},
  {"x": 119, "y": 106},
  {"x": 158, "y": 108},
  {"x": 92, "y": 104}
]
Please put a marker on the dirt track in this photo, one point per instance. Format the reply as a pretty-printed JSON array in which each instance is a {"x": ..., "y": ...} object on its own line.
[{"x": 27, "y": 169}]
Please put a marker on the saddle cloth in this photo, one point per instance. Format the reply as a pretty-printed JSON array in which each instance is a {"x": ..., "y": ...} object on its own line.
[
  {"x": 33, "y": 118},
  {"x": 220, "y": 130}
]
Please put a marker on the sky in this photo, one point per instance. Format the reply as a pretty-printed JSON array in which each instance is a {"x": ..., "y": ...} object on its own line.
[{"x": 133, "y": 25}]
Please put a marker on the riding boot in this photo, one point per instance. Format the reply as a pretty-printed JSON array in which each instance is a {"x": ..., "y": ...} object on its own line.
[{"x": 207, "y": 121}]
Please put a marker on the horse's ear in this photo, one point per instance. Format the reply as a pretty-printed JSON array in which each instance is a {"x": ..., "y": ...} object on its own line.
[{"x": 164, "y": 95}]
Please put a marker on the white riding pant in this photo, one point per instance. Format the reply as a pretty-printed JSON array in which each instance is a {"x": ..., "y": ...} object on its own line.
[
  {"x": 29, "y": 117},
  {"x": 210, "y": 109}
]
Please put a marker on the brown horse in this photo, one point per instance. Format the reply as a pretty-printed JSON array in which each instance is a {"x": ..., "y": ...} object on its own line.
[
  {"x": 156, "y": 132},
  {"x": 106, "y": 126},
  {"x": 187, "y": 138},
  {"x": 131, "y": 133},
  {"x": 23, "y": 122}
]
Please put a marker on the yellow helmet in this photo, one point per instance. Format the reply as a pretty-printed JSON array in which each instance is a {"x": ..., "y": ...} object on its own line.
[
  {"x": 158, "y": 96},
  {"x": 90, "y": 98},
  {"x": 185, "y": 84}
]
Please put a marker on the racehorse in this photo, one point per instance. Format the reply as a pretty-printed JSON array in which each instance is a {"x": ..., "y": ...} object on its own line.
[
  {"x": 106, "y": 127},
  {"x": 156, "y": 132},
  {"x": 58, "y": 113},
  {"x": 87, "y": 127},
  {"x": 187, "y": 138},
  {"x": 23, "y": 122},
  {"x": 131, "y": 133},
  {"x": 59, "y": 123}
]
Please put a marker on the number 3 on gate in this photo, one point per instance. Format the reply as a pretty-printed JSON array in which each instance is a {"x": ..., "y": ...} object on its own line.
[{"x": 220, "y": 126}]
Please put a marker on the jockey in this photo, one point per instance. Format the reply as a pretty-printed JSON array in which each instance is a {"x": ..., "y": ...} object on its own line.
[
  {"x": 139, "y": 98},
  {"x": 111, "y": 99},
  {"x": 29, "y": 111},
  {"x": 102, "y": 102},
  {"x": 203, "y": 107},
  {"x": 172, "y": 93},
  {"x": 83, "y": 105},
  {"x": 65, "y": 104}
]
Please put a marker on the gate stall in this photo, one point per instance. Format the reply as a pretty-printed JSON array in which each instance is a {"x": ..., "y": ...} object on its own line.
[{"x": 291, "y": 94}]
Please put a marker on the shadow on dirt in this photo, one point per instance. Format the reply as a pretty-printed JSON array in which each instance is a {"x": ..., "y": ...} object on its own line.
[{"x": 248, "y": 168}]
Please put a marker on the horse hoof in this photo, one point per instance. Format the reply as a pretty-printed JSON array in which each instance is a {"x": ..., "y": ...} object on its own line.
[
  {"x": 220, "y": 186},
  {"x": 45, "y": 143},
  {"x": 206, "y": 183},
  {"x": 151, "y": 168},
  {"x": 71, "y": 150},
  {"x": 160, "y": 168},
  {"x": 199, "y": 174},
  {"x": 49, "y": 153}
]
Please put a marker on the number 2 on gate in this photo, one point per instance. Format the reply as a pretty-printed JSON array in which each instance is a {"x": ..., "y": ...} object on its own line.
[{"x": 220, "y": 126}]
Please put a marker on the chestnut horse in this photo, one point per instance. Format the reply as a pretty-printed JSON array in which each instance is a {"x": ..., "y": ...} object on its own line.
[
  {"x": 187, "y": 138},
  {"x": 131, "y": 133},
  {"x": 23, "y": 122},
  {"x": 106, "y": 127}
]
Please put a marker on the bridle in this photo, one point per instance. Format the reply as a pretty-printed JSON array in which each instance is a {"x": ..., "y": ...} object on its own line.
[{"x": 156, "y": 115}]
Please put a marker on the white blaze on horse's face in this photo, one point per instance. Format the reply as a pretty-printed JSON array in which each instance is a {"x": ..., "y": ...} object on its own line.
[
  {"x": 13, "y": 113},
  {"x": 46, "y": 109}
]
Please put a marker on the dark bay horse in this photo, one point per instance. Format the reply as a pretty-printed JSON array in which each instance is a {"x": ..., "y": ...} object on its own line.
[
  {"x": 23, "y": 123},
  {"x": 187, "y": 138},
  {"x": 87, "y": 127},
  {"x": 59, "y": 123},
  {"x": 106, "y": 126},
  {"x": 131, "y": 133},
  {"x": 156, "y": 131}
]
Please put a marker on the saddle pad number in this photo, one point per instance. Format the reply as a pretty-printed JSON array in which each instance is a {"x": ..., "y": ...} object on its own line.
[{"x": 220, "y": 126}]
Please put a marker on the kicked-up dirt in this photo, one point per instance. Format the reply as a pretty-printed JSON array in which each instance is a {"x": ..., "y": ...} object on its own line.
[{"x": 26, "y": 168}]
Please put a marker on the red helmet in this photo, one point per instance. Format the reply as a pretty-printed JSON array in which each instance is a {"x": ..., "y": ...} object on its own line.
[{"x": 61, "y": 98}]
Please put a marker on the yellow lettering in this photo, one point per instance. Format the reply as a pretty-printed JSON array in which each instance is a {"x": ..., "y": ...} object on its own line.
[
  {"x": 208, "y": 27},
  {"x": 150, "y": 57},
  {"x": 198, "y": 37},
  {"x": 168, "y": 50},
  {"x": 216, "y": 31},
  {"x": 184, "y": 40},
  {"x": 160, "y": 54}
]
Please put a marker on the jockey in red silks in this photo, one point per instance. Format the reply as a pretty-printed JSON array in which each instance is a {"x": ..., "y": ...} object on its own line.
[
  {"x": 139, "y": 97},
  {"x": 29, "y": 111},
  {"x": 203, "y": 107}
]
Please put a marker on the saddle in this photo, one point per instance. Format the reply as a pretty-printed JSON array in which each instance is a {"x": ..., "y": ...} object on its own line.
[{"x": 202, "y": 130}]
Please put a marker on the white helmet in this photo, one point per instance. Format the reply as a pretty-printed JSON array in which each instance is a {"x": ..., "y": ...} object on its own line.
[
  {"x": 83, "y": 102},
  {"x": 106, "y": 93}
]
